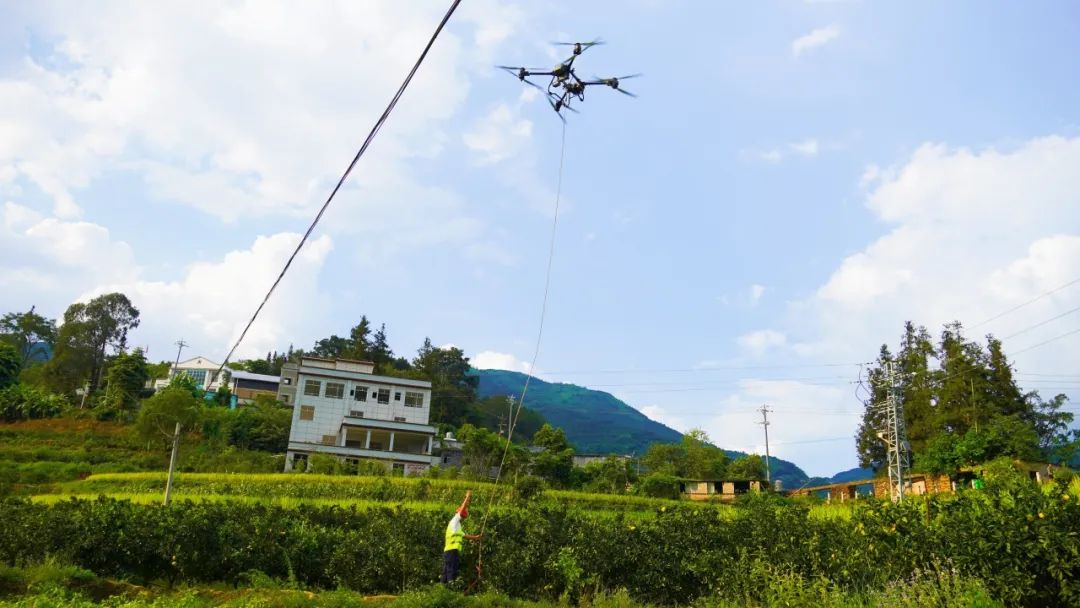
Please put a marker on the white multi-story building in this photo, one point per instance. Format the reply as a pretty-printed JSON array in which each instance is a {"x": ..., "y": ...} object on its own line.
[
  {"x": 202, "y": 370},
  {"x": 342, "y": 408}
]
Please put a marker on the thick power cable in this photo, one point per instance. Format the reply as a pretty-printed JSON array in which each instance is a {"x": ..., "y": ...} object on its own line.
[
  {"x": 363, "y": 148},
  {"x": 516, "y": 413}
]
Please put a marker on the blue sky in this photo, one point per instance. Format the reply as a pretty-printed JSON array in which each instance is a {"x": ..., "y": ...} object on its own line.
[{"x": 795, "y": 180}]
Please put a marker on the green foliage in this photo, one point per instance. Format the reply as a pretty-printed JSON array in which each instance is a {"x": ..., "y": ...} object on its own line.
[
  {"x": 692, "y": 458},
  {"x": 556, "y": 459},
  {"x": 127, "y": 376},
  {"x": 10, "y": 365},
  {"x": 1019, "y": 542},
  {"x": 494, "y": 411},
  {"x": 659, "y": 485},
  {"x": 23, "y": 402},
  {"x": 528, "y": 487},
  {"x": 160, "y": 414},
  {"x": 260, "y": 426},
  {"x": 961, "y": 404},
  {"x": 611, "y": 475},
  {"x": 747, "y": 468},
  {"x": 88, "y": 331},
  {"x": 453, "y": 387},
  {"x": 27, "y": 333}
]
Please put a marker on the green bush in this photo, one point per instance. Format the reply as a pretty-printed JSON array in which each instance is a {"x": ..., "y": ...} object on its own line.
[
  {"x": 659, "y": 485},
  {"x": 24, "y": 402},
  {"x": 1020, "y": 543}
]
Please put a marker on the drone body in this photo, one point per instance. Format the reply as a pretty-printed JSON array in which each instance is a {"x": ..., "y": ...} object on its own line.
[{"x": 565, "y": 85}]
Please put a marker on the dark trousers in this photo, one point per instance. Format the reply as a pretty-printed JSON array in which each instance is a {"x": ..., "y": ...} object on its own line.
[{"x": 451, "y": 562}]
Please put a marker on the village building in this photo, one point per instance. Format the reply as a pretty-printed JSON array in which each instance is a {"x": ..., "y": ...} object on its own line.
[
  {"x": 342, "y": 408},
  {"x": 719, "y": 490},
  {"x": 200, "y": 369},
  {"x": 245, "y": 386}
]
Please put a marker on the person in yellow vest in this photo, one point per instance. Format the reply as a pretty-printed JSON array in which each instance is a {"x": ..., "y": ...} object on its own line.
[{"x": 454, "y": 537}]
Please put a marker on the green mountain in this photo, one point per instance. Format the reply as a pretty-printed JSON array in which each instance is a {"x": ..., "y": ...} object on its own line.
[{"x": 598, "y": 422}]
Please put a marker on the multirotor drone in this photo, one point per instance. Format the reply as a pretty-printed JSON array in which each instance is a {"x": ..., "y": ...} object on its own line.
[{"x": 565, "y": 86}]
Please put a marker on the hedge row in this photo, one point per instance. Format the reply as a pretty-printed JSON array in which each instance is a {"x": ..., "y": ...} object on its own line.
[{"x": 1023, "y": 545}]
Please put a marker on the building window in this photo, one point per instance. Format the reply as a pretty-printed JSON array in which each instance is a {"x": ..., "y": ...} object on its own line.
[
  {"x": 307, "y": 412},
  {"x": 284, "y": 398},
  {"x": 399, "y": 419},
  {"x": 356, "y": 413},
  {"x": 335, "y": 390},
  {"x": 360, "y": 393},
  {"x": 198, "y": 375},
  {"x": 312, "y": 388},
  {"x": 397, "y": 395},
  {"x": 329, "y": 439},
  {"x": 414, "y": 399},
  {"x": 286, "y": 380},
  {"x": 384, "y": 395},
  {"x": 376, "y": 445}
]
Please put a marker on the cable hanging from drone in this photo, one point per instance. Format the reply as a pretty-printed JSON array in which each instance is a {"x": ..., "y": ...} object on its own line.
[{"x": 565, "y": 86}]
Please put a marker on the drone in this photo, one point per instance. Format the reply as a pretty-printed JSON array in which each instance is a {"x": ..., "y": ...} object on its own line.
[{"x": 565, "y": 86}]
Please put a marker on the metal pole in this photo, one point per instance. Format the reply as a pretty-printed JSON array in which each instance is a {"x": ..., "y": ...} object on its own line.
[
  {"x": 172, "y": 463},
  {"x": 179, "y": 347}
]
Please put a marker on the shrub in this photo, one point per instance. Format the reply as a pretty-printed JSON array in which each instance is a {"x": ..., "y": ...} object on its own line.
[{"x": 659, "y": 485}]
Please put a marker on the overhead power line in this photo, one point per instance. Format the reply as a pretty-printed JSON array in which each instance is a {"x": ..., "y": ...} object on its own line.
[
  {"x": 1041, "y": 323},
  {"x": 1027, "y": 303},
  {"x": 363, "y": 148},
  {"x": 1045, "y": 342}
]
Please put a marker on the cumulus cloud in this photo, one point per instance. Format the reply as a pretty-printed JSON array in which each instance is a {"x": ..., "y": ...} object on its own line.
[
  {"x": 967, "y": 234},
  {"x": 489, "y": 359},
  {"x": 817, "y": 38},
  {"x": 212, "y": 302},
  {"x": 238, "y": 110},
  {"x": 42, "y": 258}
]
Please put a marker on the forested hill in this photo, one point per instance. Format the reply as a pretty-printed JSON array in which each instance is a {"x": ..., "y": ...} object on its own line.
[{"x": 597, "y": 422}]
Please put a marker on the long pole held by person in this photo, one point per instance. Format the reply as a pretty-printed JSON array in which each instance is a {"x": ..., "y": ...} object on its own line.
[{"x": 454, "y": 537}]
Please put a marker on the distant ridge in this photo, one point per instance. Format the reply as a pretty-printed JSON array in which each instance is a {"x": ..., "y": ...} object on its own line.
[{"x": 598, "y": 422}]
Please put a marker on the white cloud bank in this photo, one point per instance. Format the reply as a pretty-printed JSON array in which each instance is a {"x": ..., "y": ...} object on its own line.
[{"x": 489, "y": 359}]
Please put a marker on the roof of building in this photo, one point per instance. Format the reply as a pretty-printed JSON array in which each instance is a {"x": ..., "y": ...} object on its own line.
[
  {"x": 242, "y": 375},
  {"x": 196, "y": 363},
  {"x": 332, "y": 360}
]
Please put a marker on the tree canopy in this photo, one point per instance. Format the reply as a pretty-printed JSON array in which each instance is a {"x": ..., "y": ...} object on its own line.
[{"x": 961, "y": 404}]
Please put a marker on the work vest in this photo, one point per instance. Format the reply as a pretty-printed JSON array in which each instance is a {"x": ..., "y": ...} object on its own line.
[{"x": 453, "y": 539}]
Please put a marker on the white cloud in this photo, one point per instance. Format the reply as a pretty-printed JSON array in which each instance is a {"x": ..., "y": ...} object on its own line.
[
  {"x": 806, "y": 148},
  {"x": 213, "y": 301},
  {"x": 666, "y": 417},
  {"x": 756, "y": 291},
  {"x": 801, "y": 411},
  {"x": 489, "y": 359},
  {"x": 759, "y": 341},
  {"x": 43, "y": 258},
  {"x": 499, "y": 135},
  {"x": 968, "y": 234},
  {"x": 814, "y": 39},
  {"x": 238, "y": 110}
]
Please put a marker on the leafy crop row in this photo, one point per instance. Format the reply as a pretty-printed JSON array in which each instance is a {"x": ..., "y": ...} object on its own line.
[
  {"x": 307, "y": 486},
  {"x": 1022, "y": 543}
]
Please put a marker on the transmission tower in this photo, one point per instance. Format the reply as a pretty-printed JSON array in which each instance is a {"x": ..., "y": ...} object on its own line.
[{"x": 895, "y": 436}]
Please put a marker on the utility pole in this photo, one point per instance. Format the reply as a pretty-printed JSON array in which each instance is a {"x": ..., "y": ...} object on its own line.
[
  {"x": 172, "y": 463},
  {"x": 895, "y": 436},
  {"x": 180, "y": 345},
  {"x": 765, "y": 423}
]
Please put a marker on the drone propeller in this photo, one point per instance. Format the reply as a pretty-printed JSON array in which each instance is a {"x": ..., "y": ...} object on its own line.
[
  {"x": 584, "y": 45},
  {"x": 614, "y": 83},
  {"x": 551, "y": 102}
]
